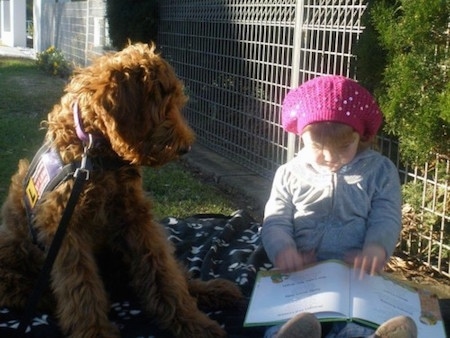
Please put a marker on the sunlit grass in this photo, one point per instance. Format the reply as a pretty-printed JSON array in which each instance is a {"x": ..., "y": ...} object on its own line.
[{"x": 176, "y": 192}]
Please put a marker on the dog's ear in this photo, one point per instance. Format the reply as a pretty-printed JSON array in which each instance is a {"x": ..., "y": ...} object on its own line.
[{"x": 142, "y": 106}]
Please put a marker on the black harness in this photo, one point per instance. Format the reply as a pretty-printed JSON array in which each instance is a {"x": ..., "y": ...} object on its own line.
[{"x": 45, "y": 173}]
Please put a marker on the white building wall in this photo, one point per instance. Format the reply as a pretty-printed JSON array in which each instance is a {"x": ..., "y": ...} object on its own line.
[{"x": 13, "y": 23}]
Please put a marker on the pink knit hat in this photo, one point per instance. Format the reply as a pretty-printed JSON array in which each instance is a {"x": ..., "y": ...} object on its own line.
[{"x": 335, "y": 99}]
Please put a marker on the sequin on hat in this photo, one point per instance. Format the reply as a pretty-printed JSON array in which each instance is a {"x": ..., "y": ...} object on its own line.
[{"x": 331, "y": 98}]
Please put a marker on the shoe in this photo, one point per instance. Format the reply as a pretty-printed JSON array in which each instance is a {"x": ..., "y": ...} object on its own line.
[
  {"x": 303, "y": 325},
  {"x": 397, "y": 327}
]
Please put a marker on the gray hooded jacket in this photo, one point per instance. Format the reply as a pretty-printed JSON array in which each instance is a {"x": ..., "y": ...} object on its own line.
[{"x": 333, "y": 214}]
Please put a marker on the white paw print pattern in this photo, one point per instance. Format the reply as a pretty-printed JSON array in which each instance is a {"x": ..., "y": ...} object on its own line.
[
  {"x": 124, "y": 310},
  {"x": 14, "y": 324}
]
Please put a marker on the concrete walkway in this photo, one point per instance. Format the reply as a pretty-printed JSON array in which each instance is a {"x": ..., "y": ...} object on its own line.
[
  {"x": 230, "y": 174},
  {"x": 19, "y": 52}
]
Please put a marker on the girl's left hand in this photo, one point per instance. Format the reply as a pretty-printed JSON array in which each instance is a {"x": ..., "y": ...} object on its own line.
[{"x": 371, "y": 259}]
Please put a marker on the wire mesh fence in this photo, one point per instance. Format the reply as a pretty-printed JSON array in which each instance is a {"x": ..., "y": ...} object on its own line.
[
  {"x": 426, "y": 213},
  {"x": 77, "y": 28},
  {"x": 235, "y": 60}
]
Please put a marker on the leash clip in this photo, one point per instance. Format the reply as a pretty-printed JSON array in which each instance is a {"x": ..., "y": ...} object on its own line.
[{"x": 85, "y": 166}]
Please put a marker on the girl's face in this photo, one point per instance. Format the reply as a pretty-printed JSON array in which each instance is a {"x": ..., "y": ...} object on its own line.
[{"x": 326, "y": 153}]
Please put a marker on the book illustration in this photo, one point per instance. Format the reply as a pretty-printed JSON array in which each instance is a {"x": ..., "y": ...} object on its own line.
[
  {"x": 278, "y": 277},
  {"x": 431, "y": 312}
]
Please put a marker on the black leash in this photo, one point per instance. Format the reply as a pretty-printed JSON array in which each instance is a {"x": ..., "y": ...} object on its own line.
[{"x": 81, "y": 175}]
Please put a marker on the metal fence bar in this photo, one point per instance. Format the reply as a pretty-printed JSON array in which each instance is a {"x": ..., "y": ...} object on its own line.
[{"x": 292, "y": 145}]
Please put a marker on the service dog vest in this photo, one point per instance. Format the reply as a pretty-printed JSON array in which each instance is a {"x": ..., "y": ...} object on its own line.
[{"x": 45, "y": 173}]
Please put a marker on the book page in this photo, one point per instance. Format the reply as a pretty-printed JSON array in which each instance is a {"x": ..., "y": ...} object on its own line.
[
  {"x": 321, "y": 289},
  {"x": 377, "y": 299}
]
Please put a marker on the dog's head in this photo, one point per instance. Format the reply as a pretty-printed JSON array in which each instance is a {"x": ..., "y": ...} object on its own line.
[{"x": 132, "y": 100}]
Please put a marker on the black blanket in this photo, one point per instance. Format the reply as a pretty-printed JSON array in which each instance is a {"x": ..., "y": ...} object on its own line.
[{"x": 211, "y": 246}]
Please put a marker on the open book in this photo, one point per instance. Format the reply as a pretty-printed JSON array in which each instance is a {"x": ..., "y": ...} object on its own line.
[{"x": 334, "y": 291}]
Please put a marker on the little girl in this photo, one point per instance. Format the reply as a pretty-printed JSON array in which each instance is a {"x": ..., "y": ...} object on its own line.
[{"x": 337, "y": 199}]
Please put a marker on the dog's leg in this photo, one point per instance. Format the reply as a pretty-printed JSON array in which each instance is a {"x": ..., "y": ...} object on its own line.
[
  {"x": 20, "y": 259},
  {"x": 82, "y": 302},
  {"x": 162, "y": 285},
  {"x": 215, "y": 293},
  {"x": 19, "y": 266}
]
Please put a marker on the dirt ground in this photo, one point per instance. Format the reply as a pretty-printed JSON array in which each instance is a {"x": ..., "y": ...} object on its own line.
[{"x": 418, "y": 275}]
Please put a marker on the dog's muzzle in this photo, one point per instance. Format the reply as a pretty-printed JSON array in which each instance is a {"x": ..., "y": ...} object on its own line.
[{"x": 184, "y": 150}]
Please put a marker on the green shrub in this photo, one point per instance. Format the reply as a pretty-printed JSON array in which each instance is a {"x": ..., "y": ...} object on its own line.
[
  {"x": 53, "y": 62},
  {"x": 410, "y": 74},
  {"x": 132, "y": 20}
]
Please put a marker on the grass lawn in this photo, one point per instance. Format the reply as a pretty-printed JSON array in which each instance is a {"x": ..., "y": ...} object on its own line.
[{"x": 26, "y": 96}]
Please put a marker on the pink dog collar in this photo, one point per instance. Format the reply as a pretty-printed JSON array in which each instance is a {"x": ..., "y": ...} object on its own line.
[{"x": 86, "y": 138}]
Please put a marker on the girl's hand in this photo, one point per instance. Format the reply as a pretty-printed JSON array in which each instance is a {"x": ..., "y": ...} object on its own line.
[
  {"x": 290, "y": 260},
  {"x": 371, "y": 259}
]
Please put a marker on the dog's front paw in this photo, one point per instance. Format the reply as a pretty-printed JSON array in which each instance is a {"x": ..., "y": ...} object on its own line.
[
  {"x": 105, "y": 331},
  {"x": 201, "y": 327},
  {"x": 213, "y": 331},
  {"x": 215, "y": 293}
]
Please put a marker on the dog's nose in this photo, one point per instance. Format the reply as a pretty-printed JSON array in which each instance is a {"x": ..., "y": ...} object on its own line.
[{"x": 184, "y": 150}]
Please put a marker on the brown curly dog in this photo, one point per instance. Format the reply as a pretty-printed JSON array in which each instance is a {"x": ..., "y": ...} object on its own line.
[{"x": 122, "y": 112}]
